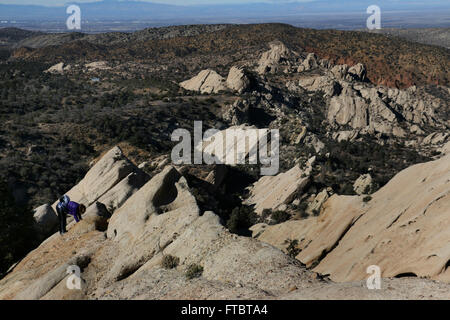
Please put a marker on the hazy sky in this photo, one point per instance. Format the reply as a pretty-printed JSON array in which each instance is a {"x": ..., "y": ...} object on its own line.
[
  {"x": 187, "y": 2},
  {"x": 63, "y": 2}
]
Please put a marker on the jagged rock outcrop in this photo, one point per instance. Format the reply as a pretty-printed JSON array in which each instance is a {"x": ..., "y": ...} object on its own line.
[
  {"x": 436, "y": 138},
  {"x": 162, "y": 218},
  {"x": 270, "y": 192},
  {"x": 207, "y": 81},
  {"x": 398, "y": 230},
  {"x": 329, "y": 86},
  {"x": 358, "y": 72},
  {"x": 309, "y": 63},
  {"x": 363, "y": 185},
  {"x": 362, "y": 109},
  {"x": 271, "y": 60},
  {"x": 112, "y": 168},
  {"x": 237, "y": 113},
  {"x": 340, "y": 71},
  {"x": 58, "y": 68},
  {"x": 238, "y": 80}
]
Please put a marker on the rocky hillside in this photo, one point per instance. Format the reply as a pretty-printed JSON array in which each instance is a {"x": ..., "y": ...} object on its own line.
[
  {"x": 431, "y": 36},
  {"x": 158, "y": 235},
  {"x": 392, "y": 62},
  {"x": 363, "y": 177}
]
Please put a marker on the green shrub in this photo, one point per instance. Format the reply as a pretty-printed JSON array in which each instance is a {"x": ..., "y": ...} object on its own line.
[
  {"x": 194, "y": 271},
  {"x": 292, "y": 248},
  {"x": 241, "y": 219},
  {"x": 367, "y": 198},
  {"x": 280, "y": 216},
  {"x": 170, "y": 262}
]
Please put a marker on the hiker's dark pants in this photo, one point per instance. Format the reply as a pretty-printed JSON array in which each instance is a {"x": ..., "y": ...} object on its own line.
[{"x": 62, "y": 216}]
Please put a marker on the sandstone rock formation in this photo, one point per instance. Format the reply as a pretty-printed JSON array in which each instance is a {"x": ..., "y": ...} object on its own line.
[
  {"x": 363, "y": 185},
  {"x": 403, "y": 229},
  {"x": 207, "y": 81},
  {"x": 270, "y": 60},
  {"x": 46, "y": 219},
  {"x": 97, "y": 65},
  {"x": 270, "y": 192},
  {"x": 58, "y": 68},
  {"x": 162, "y": 218},
  {"x": 309, "y": 63},
  {"x": 232, "y": 145},
  {"x": 104, "y": 176},
  {"x": 358, "y": 72},
  {"x": 238, "y": 80}
]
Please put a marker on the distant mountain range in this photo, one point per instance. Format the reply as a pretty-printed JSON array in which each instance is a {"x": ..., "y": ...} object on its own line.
[{"x": 137, "y": 10}]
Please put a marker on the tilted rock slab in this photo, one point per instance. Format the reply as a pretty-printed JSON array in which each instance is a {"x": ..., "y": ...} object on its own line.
[
  {"x": 404, "y": 229},
  {"x": 207, "y": 81},
  {"x": 162, "y": 218},
  {"x": 270, "y": 192},
  {"x": 102, "y": 177}
]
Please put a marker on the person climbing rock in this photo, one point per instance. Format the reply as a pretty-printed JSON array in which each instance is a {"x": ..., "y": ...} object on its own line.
[
  {"x": 76, "y": 210},
  {"x": 64, "y": 207}
]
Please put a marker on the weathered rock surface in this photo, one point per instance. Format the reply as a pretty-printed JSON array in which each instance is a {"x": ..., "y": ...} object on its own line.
[
  {"x": 238, "y": 80},
  {"x": 403, "y": 229},
  {"x": 97, "y": 65},
  {"x": 270, "y": 192},
  {"x": 358, "y": 72},
  {"x": 309, "y": 63},
  {"x": 363, "y": 185},
  {"x": 58, "y": 68},
  {"x": 102, "y": 177},
  {"x": 161, "y": 218},
  {"x": 46, "y": 219},
  {"x": 270, "y": 60},
  {"x": 207, "y": 81}
]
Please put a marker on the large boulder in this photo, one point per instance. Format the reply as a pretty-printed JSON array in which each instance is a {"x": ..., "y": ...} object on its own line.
[
  {"x": 46, "y": 219},
  {"x": 309, "y": 63},
  {"x": 271, "y": 192},
  {"x": 270, "y": 60},
  {"x": 207, "y": 81},
  {"x": 329, "y": 86},
  {"x": 363, "y": 185},
  {"x": 358, "y": 72},
  {"x": 238, "y": 80}
]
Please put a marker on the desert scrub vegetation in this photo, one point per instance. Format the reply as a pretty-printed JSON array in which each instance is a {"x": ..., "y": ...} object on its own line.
[
  {"x": 194, "y": 271},
  {"x": 170, "y": 262},
  {"x": 274, "y": 217},
  {"x": 241, "y": 219},
  {"x": 292, "y": 249},
  {"x": 17, "y": 233}
]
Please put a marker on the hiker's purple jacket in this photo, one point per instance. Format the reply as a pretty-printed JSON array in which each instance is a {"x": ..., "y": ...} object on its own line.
[{"x": 72, "y": 209}]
